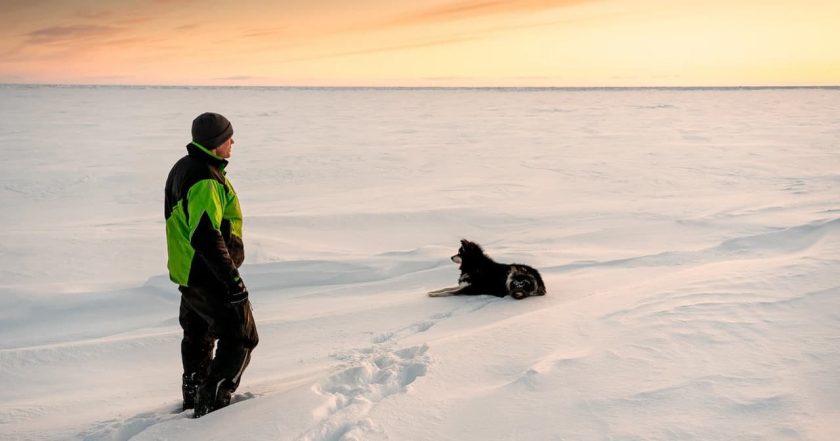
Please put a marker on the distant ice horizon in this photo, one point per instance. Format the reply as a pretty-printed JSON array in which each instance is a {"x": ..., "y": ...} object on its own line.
[{"x": 455, "y": 87}]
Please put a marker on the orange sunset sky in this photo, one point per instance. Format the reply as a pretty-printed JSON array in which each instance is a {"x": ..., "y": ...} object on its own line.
[{"x": 422, "y": 43}]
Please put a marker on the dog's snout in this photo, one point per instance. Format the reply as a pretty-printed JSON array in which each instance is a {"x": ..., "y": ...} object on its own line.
[
  {"x": 518, "y": 294},
  {"x": 456, "y": 258},
  {"x": 520, "y": 287}
]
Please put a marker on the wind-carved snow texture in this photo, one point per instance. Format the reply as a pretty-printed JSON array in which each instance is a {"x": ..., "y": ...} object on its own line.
[
  {"x": 785, "y": 241},
  {"x": 689, "y": 240},
  {"x": 126, "y": 429}
]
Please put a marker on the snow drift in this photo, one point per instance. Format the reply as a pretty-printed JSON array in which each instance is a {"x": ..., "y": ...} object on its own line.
[{"x": 689, "y": 239}]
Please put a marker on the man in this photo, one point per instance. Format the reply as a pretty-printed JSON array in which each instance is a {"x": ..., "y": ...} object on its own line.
[{"x": 204, "y": 241}]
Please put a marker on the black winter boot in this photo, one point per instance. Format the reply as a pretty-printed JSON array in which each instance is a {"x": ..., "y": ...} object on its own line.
[
  {"x": 189, "y": 388},
  {"x": 212, "y": 397}
]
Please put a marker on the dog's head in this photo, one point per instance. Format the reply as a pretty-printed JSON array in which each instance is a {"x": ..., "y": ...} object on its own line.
[
  {"x": 469, "y": 252},
  {"x": 522, "y": 282}
]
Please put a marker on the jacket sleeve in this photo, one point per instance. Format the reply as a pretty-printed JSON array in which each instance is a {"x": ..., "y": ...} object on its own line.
[{"x": 205, "y": 207}]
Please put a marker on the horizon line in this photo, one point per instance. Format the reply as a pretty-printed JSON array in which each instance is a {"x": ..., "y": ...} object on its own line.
[{"x": 362, "y": 87}]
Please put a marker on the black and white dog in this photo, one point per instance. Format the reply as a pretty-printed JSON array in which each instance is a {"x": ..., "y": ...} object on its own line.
[{"x": 481, "y": 275}]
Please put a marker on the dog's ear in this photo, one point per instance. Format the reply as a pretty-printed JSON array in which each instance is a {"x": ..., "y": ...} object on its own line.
[{"x": 464, "y": 242}]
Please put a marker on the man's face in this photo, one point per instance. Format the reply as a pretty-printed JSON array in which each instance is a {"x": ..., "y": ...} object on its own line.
[{"x": 224, "y": 149}]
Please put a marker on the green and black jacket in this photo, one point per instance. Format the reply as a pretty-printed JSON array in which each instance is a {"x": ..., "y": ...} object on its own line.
[{"x": 203, "y": 222}]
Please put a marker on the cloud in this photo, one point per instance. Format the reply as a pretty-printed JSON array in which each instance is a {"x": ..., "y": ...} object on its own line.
[
  {"x": 264, "y": 32},
  {"x": 478, "y": 34},
  {"x": 94, "y": 14},
  {"x": 170, "y": 2},
  {"x": 239, "y": 78},
  {"x": 106, "y": 77},
  {"x": 439, "y": 42},
  {"x": 454, "y": 10},
  {"x": 58, "y": 34},
  {"x": 471, "y": 9},
  {"x": 448, "y": 79},
  {"x": 187, "y": 27}
]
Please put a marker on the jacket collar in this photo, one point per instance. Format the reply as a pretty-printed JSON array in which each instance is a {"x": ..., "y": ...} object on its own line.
[{"x": 198, "y": 151}]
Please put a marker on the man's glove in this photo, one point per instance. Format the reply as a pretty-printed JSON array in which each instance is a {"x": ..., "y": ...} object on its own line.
[{"x": 237, "y": 293}]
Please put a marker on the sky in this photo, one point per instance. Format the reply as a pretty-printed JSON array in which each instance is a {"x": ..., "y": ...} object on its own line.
[{"x": 530, "y": 43}]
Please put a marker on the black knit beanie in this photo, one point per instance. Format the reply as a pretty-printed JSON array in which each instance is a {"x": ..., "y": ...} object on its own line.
[{"x": 211, "y": 130}]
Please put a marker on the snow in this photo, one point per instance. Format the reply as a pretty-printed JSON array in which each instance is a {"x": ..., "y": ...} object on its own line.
[{"x": 689, "y": 239}]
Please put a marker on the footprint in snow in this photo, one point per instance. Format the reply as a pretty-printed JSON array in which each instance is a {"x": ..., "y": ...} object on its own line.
[{"x": 352, "y": 392}]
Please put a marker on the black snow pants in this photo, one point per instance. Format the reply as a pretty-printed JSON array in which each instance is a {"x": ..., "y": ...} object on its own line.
[{"x": 208, "y": 319}]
